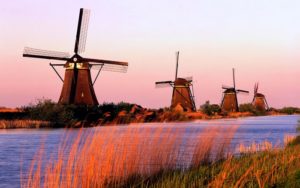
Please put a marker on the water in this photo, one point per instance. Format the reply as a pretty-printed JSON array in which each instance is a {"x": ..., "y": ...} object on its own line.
[{"x": 18, "y": 147}]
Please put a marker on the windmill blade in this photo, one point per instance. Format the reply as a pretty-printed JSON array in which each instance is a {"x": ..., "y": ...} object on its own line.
[
  {"x": 163, "y": 84},
  {"x": 82, "y": 28},
  {"x": 255, "y": 88},
  {"x": 101, "y": 61},
  {"x": 233, "y": 75},
  {"x": 45, "y": 54},
  {"x": 242, "y": 91},
  {"x": 177, "y": 60},
  {"x": 109, "y": 67}
]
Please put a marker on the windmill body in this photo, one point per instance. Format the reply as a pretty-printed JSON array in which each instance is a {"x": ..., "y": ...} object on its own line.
[
  {"x": 182, "y": 91},
  {"x": 183, "y": 95},
  {"x": 230, "y": 101},
  {"x": 259, "y": 100},
  {"x": 77, "y": 83},
  {"x": 77, "y": 87}
]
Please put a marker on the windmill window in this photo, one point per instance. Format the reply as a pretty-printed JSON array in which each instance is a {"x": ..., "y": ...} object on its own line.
[{"x": 71, "y": 66}]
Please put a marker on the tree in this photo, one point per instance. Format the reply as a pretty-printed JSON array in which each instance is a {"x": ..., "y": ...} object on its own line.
[{"x": 210, "y": 109}]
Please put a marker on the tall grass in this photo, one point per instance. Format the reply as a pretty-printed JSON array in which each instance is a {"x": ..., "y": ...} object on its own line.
[
  {"x": 13, "y": 124},
  {"x": 164, "y": 157},
  {"x": 113, "y": 156}
]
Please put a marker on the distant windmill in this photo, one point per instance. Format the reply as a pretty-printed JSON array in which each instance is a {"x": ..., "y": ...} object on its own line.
[
  {"x": 230, "y": 101},
  {"x": 77, "y": 84},
  {"x": 183, "y": 93},
  {"x": 259, "y": 100}
]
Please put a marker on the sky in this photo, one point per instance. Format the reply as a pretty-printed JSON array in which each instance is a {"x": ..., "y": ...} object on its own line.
[{"x": 259, "y": 38}]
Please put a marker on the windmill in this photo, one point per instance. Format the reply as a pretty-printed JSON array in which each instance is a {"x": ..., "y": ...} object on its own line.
[
  {"x": 77, "y": 83},
  {"x": 183, "y": 93},
  {"x": 230, "y": 101},
  {"x": 259, "y": 100}
]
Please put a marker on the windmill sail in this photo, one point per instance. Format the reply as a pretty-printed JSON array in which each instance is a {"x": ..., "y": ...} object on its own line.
[
  {"x": 82, "y": 29},
  {"x": 45, "y": 54},
  {"x": 163, "y": 84},
  {"x": 109, "y": 67}
]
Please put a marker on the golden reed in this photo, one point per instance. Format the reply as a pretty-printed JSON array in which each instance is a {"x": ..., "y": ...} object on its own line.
[{"x": 111, "y": 155}]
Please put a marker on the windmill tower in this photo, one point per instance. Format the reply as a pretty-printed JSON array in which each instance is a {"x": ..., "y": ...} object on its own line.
[
  {"x": 230, "y": 101},
  {"x": 77, "y": 83},
  {"x": 259, "y": 100},
  {"x": 183, "y": 93}
]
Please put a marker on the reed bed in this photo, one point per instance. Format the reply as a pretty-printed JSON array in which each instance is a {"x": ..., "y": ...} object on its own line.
[
  {"x": 13, "y": 124},
  {"x": 115, "y": 157},
  {"x": 269, "y": 168},
  {"x": 164, "y": 157}
]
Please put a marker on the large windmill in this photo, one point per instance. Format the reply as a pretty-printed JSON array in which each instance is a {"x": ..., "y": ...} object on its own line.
[
  {"x": 230, "y": 101},
  {"x": 77, "y": 83},
  {"x": 259, "y": 100},
  {"x": 183, "y": 93}
]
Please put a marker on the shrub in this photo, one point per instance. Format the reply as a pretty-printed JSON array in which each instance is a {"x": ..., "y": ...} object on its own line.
[
  {"x": 57, "y": 114},
  {"x": 61, "y": 115},
  {"x": 47, "y": 110},
  {"x": 248, "y": 107},
  {"x": 290, "y": 110},
  {"x": 210, "y": 109}
]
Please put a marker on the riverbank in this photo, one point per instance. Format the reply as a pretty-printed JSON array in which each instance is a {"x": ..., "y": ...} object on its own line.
[
  {"x": 271, "y": 168},
  {"x": 47, "y": 114},
  {"x": 164, "y": 157}
]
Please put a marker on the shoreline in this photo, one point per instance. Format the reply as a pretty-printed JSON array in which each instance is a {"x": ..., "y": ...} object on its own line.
[{"x": 123, "y": 119}]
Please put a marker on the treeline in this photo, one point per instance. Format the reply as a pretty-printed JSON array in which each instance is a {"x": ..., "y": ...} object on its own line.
[
  {"x": 215, "y": 109},
  {"x": 70, "y": 115},
  {"x": 59, "y": 115}
]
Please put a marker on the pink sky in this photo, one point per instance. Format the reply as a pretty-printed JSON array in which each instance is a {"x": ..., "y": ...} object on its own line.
[{"x": 261, "y": 41}]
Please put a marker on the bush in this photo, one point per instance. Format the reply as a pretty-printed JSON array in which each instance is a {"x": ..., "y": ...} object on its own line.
[
  {"x": 290, "y": 110},
  {"x": 113, "y": 109},
  {"x": 210, "y": 109},
  {"x": 57, "y": 114},
  {"x": 61, "y": 115},
  {"x": 248, "y": 107},
  {"x": 47, "y": 110}
]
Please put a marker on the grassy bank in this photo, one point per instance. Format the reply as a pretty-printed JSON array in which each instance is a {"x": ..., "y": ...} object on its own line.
[
  {"x": 274, "y": 168},
  {"x": 14, "y": 124},
  {"x": 157, "y": 158},
  {"x": 58, "y": 115}
]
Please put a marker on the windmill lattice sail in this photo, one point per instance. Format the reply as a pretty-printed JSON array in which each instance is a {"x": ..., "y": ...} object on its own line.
[
  {"x": 77, "y": 83},
  {"x": 183, "y": 94}
]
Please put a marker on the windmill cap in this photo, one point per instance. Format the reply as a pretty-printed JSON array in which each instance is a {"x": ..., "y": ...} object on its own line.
[
  {"x": 259, "y": 95},
  {"x": 181, "y": 81}
]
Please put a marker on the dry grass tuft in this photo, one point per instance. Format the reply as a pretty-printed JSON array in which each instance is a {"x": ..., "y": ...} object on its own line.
[
  {"x": 111, "y": 156},
  {"x": 13, "y": 124}
]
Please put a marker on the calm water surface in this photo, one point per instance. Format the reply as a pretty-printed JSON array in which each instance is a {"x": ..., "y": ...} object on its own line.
[{"x": 18, "y": 147}]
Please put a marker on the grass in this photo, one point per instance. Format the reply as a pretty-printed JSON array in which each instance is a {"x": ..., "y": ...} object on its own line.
[
  {"x": 267, "y": 169},
  {"x": 112, "y": 158},
  {"x": 161, "y": 157},
  {"x": 13, "y": 124}
]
